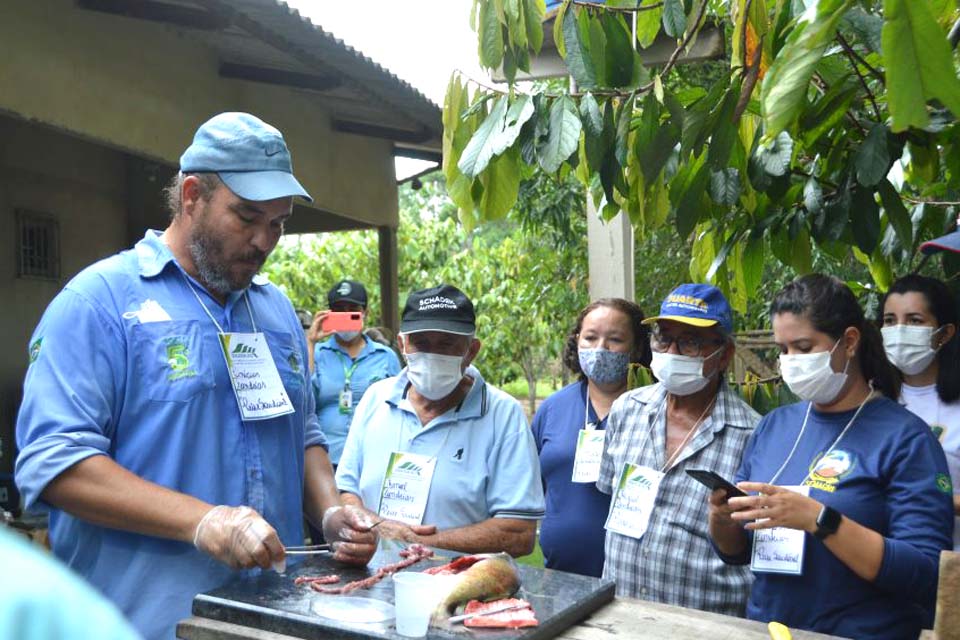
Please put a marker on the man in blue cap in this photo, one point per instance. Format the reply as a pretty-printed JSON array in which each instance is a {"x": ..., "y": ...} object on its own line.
[
  {"x": 167, "y": 421},
  {"x": 658, "y": 544}
]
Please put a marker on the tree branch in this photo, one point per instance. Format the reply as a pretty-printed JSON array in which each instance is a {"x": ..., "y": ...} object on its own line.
[
  {"x": 697, "y": 25},
  {"x": 851, "y": 56},
  {"x": 636, "y": 9},
  {"x": 851, "y": 51}
]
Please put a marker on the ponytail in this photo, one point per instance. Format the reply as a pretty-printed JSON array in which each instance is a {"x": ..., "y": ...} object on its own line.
[{"x": 874, "y": 364}]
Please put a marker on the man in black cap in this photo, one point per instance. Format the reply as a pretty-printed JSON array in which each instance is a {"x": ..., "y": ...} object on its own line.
[{"x": 443, "y": 457}]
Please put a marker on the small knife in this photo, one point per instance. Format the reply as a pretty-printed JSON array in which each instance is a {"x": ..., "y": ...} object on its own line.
[
  {"x": 467, "y": 616},
  {"x": 308, "y": 549}
]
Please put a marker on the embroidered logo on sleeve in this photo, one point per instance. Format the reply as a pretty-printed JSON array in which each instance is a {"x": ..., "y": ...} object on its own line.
[
  {"x": 944, "y": 483},
  {"x": 178, "y": 357},
  {"x": 35, "y": 350}
]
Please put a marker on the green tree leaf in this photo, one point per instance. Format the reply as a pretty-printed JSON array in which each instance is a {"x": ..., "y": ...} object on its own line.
[
  {"x": 753, "y": 264},
  {"x": 687, "y": 191},
  {"x": 674, "y": 19},
  {"x": 775, "y": 155},
  {"x": 618, "y": 52},
  {"x": 578, "y": 58},
  {"x": 919, "y": 63},
  {"x": 872, "y": 161},
  {"x": 564, "y": 135},
  {"x": 812, "y": 196},
  {"x": 533, "y": 12},
  {"x": 517, "y": 115},
  {"x": 648, "y": 26},
  {"x": 785, "y": 85},
  {"x": 481, "y": 147},
  {"x": 865, "y": 219},
  {"x": 725, "y": 186},
  {"x": 897, "y": 214},
  {"x": 501, "y": 184},
  {"x": 491, "y": 36}
]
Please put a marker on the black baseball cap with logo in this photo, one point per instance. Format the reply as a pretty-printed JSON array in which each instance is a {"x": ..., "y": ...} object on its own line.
[
  {"x": 348, "y": 291},
  {"x": 444, "y": 308}
]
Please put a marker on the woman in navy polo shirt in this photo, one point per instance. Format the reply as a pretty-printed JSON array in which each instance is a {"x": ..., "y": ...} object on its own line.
[{"x": 568, "y": 429}]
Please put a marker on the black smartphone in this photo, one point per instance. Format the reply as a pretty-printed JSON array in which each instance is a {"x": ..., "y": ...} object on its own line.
[{"x": 715, "y": 481}]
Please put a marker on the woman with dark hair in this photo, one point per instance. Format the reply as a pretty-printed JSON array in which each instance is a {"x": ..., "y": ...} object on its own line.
[
  {"x": 569, "y": 425},
  {"x": 919, "y": 319},
  {"x": 851, "y": 499}
]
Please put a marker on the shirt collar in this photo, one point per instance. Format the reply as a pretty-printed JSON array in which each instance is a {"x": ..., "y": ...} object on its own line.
[
  {"x": 724, "y": 412},
  {"x": 153, "y": 255}
]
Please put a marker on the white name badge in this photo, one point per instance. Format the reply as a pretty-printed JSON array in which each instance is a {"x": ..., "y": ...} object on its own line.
[
  {"x": 254, "y": 376},
  {"x": 406, "y": 486},
  {"x": 633, "y": 500},
  {"x": 779, "y": 550},
  {"x": 586, "y": 460}
]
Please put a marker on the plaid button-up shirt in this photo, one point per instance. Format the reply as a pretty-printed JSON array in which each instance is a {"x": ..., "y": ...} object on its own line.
[{"x": 674, "y": 562}]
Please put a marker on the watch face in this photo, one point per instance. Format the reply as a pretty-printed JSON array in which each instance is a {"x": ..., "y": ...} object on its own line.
[{"x": 828, "y": 521}]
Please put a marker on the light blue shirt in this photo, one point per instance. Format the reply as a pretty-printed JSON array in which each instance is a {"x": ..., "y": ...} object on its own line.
[
  {"x": 146, "y": 384},
  {"x": 487, "y": 465},
  {"x": 331, "y": 364},
  {"x": 40, "y": 599}
]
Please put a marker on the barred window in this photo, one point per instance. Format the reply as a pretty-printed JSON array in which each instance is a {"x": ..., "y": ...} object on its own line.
[{"x": 38, "y": 245}]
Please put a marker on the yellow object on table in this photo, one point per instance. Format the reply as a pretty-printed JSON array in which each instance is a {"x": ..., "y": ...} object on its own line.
[{"x": 779, "y": 631}]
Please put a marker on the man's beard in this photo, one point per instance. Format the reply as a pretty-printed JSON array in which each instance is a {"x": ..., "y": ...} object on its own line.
[{"x": 213, "y": 268}]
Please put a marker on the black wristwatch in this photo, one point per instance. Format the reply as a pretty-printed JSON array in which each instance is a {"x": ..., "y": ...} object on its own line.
[{"x": 827, "y": 522}]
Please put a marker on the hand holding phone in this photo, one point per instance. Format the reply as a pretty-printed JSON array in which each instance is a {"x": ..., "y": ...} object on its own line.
[{"x": 715, "y": 481}]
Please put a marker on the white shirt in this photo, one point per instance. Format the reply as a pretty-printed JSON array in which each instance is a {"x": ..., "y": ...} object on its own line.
[{"x": 944, "y": 419}]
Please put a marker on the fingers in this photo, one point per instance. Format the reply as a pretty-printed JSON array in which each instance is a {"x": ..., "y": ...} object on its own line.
[
  {"x": 240, "y": 538},
  {"x": 424, "y": 529},
  {"x": 718, "y": 498},
  {"x": 759, "y": 487},
  {"x": 351, "y": 553},
  {"x": 357, "y": 518}
]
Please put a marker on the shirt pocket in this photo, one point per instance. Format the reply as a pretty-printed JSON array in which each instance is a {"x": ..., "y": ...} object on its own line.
[{"x": 171, "y": 360}]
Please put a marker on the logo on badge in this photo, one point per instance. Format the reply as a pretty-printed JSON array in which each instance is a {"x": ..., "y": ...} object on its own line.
[
  {"x": 410, "y": 468},
  {"x": 828, "y": 470},
  {"x": 944, "y": 484},
  {"x": 35, "y": 350},
  {"x": 244, "y": 351},
  {"x": 178, "y": 358}
]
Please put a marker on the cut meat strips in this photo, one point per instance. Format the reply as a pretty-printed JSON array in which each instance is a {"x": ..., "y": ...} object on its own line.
[
  {"x": 457, "y": 566},
  {"x": 410, "y": 556},
  {"x": 312, "y": 580},
  {"x": 513, "y": 619}
]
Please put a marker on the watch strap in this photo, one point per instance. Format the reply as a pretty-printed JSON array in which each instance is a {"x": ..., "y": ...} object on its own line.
[{"x": 827, "y": 522}]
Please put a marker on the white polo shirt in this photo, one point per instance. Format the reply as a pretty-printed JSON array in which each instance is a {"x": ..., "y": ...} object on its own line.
[{"x": 487, "y": 464}]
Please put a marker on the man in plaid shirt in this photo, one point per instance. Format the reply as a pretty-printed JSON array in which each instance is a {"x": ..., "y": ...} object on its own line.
[{"x": 658, "y": 544}]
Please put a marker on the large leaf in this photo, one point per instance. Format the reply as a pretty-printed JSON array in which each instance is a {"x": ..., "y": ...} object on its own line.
[
  {"x": 725, "y": 186},
  {"x": 501, "y": 184},
  {"x": 918, "y": 62},
  {"x": 624, "y": 118},
  {"x": 785, "y": 85},
  {"x": 533, "y": 12},
  {"x": 482, "y": 145},
  {"x": 618, "y": 53},
  {"x": 578, "y": 58},
  {"x": 564, "y": 135},
  {"x": 812, "y": 196},
  {"x": 775, "y": 155},
  {"x": 873, "y": 157},
  {"x": 595, "y": 146},
  {"x": 897, "y": 214},
  {"x": 559, "y": 21},
  {"x": 753, "y": 264},
  {"x": 687, "y": 191},
  {"x": 648, "y": 26},
  {"x": 517, "y": 115},
  {"x": 674, "y": 19},
  {"x": 865, "y": 219},
  {"x": 491, "y": 36}
]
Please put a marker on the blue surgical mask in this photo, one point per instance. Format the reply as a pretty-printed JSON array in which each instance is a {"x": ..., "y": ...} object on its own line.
[{"x": 603, "y": 366}]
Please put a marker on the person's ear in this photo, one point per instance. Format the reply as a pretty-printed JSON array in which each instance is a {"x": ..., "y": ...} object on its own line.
[
  {"x": 190, "y": 194},
  {"x": 947, "y": 332},
  {"x": 851, "y": 341},
  {"x": 472, "y": 352}
]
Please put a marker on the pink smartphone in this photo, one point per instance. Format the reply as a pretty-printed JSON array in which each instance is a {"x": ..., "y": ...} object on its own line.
[{"x": 342, "y": 321}]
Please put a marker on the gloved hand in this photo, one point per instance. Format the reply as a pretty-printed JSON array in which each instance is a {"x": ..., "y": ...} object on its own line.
[
  {"x": 348, "y": 530},
  {"x": 239, "y": 538}
]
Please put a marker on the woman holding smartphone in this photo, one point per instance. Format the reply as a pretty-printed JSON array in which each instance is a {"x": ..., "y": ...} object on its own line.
[
  {"x": 919, "y": 320},
  {"x": 850, "y": 500},
  {"x": 569, "y": 426}
]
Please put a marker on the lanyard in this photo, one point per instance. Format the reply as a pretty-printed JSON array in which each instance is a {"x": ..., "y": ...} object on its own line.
[
  {"x": 832, "y": 446},
  {"x": 246, "y": 298},
  {"x": 686, "y": 439},
  {"x": 587, "y": 425},
  {"x": 347, "y": 373}
]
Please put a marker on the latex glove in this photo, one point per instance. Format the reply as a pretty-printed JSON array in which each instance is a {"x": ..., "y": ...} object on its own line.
[
  {"x": 239, "y": 538},
  {"x": 350, "y": 532}
]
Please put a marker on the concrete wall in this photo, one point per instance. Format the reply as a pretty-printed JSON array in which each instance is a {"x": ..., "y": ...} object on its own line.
[
  {"x": 83, "y": 186},
  {"x": 144, "y": 88}
]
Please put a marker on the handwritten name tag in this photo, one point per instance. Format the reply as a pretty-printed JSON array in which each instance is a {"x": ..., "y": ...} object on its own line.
[
  {"x": 586, "y": 461},
  {"x": 253, "y": 374},
  {"x": 633, "y": 501},
  {"x": 779, "y": 550}
]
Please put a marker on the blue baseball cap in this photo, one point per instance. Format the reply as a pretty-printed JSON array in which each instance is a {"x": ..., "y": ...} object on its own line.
[
  {"x": 249, "y": 155},
  {"x": 699, "y": 305},
  {"x": 949, "y": 242}
]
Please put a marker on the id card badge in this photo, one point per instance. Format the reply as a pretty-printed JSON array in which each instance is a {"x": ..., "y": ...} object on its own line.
[
  {"x": 586, "y": 460},
  {"x": 345, "y": 400},
  {"x": 254, "y": 377},
  {"x": 633, "y": 500},
  {"x": 779, "y": 550},
  {"x": 406, "y": 486}
]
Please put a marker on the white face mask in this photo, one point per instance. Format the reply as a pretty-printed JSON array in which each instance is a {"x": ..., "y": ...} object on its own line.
[
  {"x": 681, "y": 375},
  {"x": 434, "y": 375},
  {"x": 908, "y": 348},
  {"x": 810, "y": 376}
]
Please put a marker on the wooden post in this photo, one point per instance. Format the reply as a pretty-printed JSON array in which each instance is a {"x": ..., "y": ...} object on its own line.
[
  {"x": 389, "y": 267},
  {"x": 946, "y": 626}
]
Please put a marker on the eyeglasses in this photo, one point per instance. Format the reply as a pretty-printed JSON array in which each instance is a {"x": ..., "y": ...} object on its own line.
[{"x": 691, "y": 347}]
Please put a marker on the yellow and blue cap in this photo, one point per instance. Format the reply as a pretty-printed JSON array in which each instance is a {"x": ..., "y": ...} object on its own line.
[{"x": 698, "y": 305}]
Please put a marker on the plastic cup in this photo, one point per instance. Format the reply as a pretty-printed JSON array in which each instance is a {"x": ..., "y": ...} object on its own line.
[{"x": 415, "y": 597}]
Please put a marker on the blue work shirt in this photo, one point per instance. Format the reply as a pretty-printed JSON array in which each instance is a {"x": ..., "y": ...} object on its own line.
[
  {"x": 572, "y": 533},
  {"x": 126, "y": 363},
  {"x": 889, "y": 474},
  {"x": 331, "y": 364},
  {"x": 487, "y": 464},
  {"x": 40, "y": 599}
]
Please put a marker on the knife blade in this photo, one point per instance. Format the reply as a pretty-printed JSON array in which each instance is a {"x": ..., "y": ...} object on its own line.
[{"x": 467, "y": 616}]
